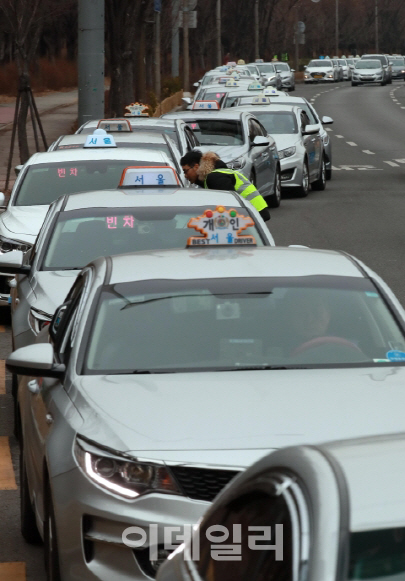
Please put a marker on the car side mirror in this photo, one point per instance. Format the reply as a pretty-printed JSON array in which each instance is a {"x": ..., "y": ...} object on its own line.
[
  {"x": 56, "y": 320},
  {"x": 390, "y": 63},
  {"x": 293, "y": 70},
  {"x": 2, "y": 199},
  {"x": 327, "y": 120},
  {"x": 186, "y": 101},
  {"x": 197, "y": 84},
  {"x": 260, "y": 141},
  {"x": 12, "y": 263},
  {"x": 305, "y": 67},
  {"x": 36, "y": 361},
  {"x": 311, "y": 129},
  {"x": 17, "y": 169}
]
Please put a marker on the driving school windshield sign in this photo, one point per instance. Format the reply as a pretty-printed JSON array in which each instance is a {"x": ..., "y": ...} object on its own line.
[
  {"x": 157, "y": 176},
  {"x": 221, "y": 227}
]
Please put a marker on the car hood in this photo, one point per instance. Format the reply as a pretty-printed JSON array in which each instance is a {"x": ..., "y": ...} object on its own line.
[
  {"x": 284, "y": 141},
  {"x": 318, "y": 69},
  {"x": 226, "y": 152},
  {"x": 233, "y": 418},
  {"x": 25, "y": 221},
  {"x": 51, "y": 288},
  {"x": 285, "y": 74},
  {"x": 368, "y": 71}
]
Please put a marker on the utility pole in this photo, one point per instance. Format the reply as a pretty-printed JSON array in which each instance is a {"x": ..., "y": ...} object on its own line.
[
  {"x": 257, "y": 52},
  {"x": 158, "y": 89},
  {"x": 186, "y": 55},
  {"x": 337, "y": 28},
  {"x": 175, "y": 38},
  {"x": 377, "y": 44},
  {"x": 91, "y": 60},
  {"x": 219, "y": 44},
  {"x": 297, "y": 39}
]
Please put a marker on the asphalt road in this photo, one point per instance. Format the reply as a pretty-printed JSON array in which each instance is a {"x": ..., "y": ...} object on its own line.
[{"x": 361, "y": 212}]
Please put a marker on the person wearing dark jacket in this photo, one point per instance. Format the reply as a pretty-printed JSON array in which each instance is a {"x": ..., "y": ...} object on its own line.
[{"x": 209, "y": 171}]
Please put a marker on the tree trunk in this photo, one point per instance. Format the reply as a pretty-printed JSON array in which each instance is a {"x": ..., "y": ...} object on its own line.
[{"x": 23, "y": 85}]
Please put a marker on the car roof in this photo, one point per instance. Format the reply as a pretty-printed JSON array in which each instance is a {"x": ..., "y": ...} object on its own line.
[
  {"x": 119, "y": 137},
  {"x": 374, "y": 468},
  {"x": 134, "y": 121},
  {"x": 138, "y": 197},
  {"x": 254, "y": 93},
  {"x": 273, "y": 107},
  {"x": 244, "y": 262},
  {"x": 111, "y": 153},
  {"x": 221, "y": 114}
]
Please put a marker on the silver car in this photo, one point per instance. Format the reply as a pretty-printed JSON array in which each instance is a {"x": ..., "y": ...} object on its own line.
[
  {"x": 283, "y": 99},
  {"x": 299, "y": 145},
  {"x": 47, "y": 176},
  {"x": 347, "y": 74},
  {"x": 148, "y": 347},
  {"x": 333, "y": 504},
  {"x": 287, "y": 76},
  {"x": 320, "y": 70},
  {"x": 398, "y": 68},
  {"x": 269, "y": 74},
  {"x": 176, "y": 129},
  {"x": 242, "y": 143},
  {"x": 385, "y": 62},
  {"x": 369, "y": 71},
  {"x": 80, "y": 227}
]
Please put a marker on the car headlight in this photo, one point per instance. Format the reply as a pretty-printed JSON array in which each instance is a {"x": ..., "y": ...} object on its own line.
[
  {"x": 127, "y": 478},
  {"x": 306, "y": 76},
  {"x": 8, "y": 244},
  {"x": 38, "y": 320},
  {"x": 237, "y": 163},
  {"x": 288, "y": 152},
  {"x": 329, "y": 72}
]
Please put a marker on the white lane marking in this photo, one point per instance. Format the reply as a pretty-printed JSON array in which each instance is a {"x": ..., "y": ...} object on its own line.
[
  {"x": 328, "y": 129},
  {"x": 339, "y": 136},
  {"x": 400, "y": 160},
  {"x": 356, "y": 167},
  {"x": 391, "y": 163},
  {"x": 351, "y": 143},
  {"x": 368, "y": 151}
]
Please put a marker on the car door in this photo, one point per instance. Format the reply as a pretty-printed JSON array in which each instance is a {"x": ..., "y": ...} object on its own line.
[
  {"x": 272, "y": 162},
  {"x": 312, "y": 144},
  {"x": 259, "y": 155},
  {"x": 37, "y": 395}
]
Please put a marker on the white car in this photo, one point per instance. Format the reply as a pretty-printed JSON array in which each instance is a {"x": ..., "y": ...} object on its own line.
[
  {"x": 167, "y": 373},
  {"x": 47, "y": 176},
  {"x": 299, "y": 145},
  {"x": 319, "y": 70}
]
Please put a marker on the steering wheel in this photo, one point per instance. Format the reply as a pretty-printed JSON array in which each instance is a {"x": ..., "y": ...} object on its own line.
[{"x": 318, "y": 341}]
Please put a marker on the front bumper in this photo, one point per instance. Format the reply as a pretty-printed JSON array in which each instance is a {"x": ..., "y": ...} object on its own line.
[
  {"x": 323, "y": 79},
  {"x": 367, "y": 79},
  {"x": 291, "y": 171},
  {"x": 90, "y": 524},
  {"x": 287, "y": 83}
]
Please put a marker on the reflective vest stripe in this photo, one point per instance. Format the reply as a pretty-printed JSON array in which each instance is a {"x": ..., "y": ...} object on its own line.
[{"x": 244, "y": 188}]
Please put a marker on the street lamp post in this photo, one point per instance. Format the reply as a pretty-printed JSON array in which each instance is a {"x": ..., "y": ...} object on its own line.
[
  {"x": 337, "y": 28},
  {"x": 377, "y": 44}
]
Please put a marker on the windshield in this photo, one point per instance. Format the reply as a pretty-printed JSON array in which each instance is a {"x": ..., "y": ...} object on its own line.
[
  {"x": 302, "y": 105},
  {"x": 342, "y": 62},
  {"x": 46, "y": 182},
  {"x": 81, "y": 236},
  {"x": 253, "y": 69},
  {"x": 278, "y": 122},
  {"x": 319, "y": 64},
  {"x": 282, "y": 67},
  {"x": 350, "y": 61},
  {"x": 266, "y": 68},
  {"x": 368, "y": 65},
  {"x": 233, "y": 323},
  {"x": 209, "y": 78},
  {"x": 398, "y": 62},
  {"x": 218, "y": 131},
  {"x": 377, "y": 555},
  {"x": 213, "y": 96},
  {"x": 383, "y": 60}
]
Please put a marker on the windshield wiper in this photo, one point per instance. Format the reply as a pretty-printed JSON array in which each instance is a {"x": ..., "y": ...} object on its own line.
[{"x": 262, "y": 367}]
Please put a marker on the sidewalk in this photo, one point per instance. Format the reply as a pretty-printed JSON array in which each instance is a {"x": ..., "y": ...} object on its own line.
[{"x": 58, "y": 112}]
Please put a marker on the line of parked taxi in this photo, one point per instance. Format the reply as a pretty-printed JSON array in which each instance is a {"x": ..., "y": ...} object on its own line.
[{"x": 162, "y": 344}]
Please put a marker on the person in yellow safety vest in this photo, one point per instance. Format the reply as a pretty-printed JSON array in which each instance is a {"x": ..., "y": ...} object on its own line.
[{"x": 209, "y": 171}]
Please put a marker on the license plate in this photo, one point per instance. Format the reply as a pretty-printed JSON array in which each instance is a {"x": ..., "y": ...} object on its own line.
[{"x": 317, "y": 76}]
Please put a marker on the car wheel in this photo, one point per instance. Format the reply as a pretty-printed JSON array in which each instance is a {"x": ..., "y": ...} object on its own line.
[
  {"x": 28, "y": 522},
  {"x": 355, "y": 84},
  {"x": 303, "y": 190},
  {"x": 328, "y": 174},
  {"x": 274, "y": 200},
  {"x": 320, "y": 183},
  {"x": 383, "y": 83},
  {"x": 51, "y": 552}
]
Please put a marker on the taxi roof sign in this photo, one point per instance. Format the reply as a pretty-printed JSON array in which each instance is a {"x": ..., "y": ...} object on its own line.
[
  {"x": 99, "y": 138},
  {"x": 232, "y": 83},
  {"x": 259, "y": 61},
  {"x": 221, "y": 227},
  {"x": 151, "y": 175},
  {"x": 231, "y": 64},
  {"x": 270, "y": 91},
  {"x": 114, "y": 125},
  {"x": 206, "y": 105},
  {"x": 255, "y": 87},
  {"x": 261, "y": 100}
]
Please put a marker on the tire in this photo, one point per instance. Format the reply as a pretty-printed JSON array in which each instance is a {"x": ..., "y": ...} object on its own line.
[
  {"x": 51, "y": 552},
  {"x": 28, "y": 524},
  {"x": 320, "y": 183},
  {"x": 328, "y": 174},
  {"x": 383, "y": 83},
  {"x": 274, "y": 200},
  {"x": 355, "y": 84},
  {"x": 307, "y": 82},
  {"x": 292, "y": 89},
  {"x": 303, "y": 190}
]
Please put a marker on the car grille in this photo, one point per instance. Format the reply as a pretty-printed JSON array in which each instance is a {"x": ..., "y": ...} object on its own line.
[
  {"x": 202, "y": 483},
  {"x": 317, "y": 74}
]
